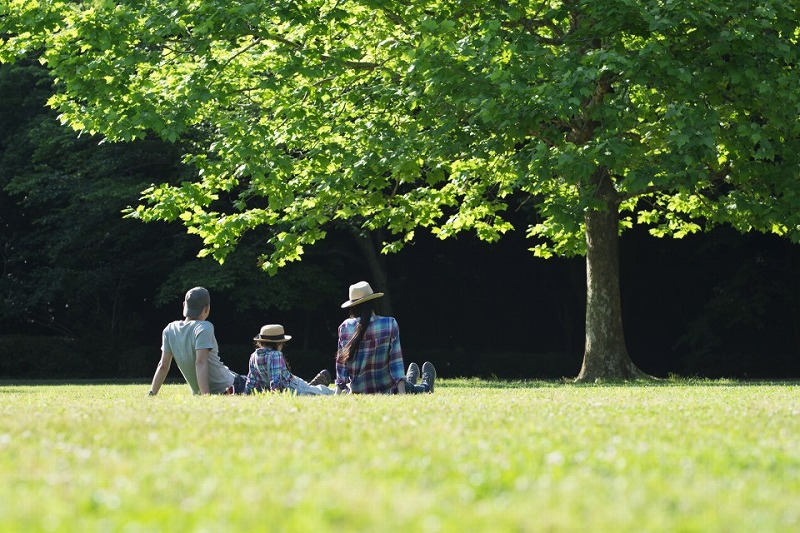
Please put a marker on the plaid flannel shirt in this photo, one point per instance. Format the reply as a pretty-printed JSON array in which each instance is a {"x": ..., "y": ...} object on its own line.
[
  {"x": 378, "y": 365},
  {"x": 267, "y": 369}
]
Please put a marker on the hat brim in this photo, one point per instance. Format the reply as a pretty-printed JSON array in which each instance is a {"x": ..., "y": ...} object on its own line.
[
  {"x": 351, "y": 303},
  {"x": 264, "y": 339}
]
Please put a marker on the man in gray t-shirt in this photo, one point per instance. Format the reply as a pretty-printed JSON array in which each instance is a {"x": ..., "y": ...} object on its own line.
[{"x": 191, "y": 342}]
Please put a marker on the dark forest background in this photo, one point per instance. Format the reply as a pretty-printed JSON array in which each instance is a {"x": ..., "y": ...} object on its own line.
[{"x": 87, "y": 292}]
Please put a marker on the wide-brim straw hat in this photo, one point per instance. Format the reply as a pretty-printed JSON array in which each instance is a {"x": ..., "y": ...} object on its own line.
[
  {"x": 272, "y": 333},
  {"x": 359, "y": 293}
]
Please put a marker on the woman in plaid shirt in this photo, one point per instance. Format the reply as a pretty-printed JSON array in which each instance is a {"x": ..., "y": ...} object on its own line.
[{"x": 369, "y": 359}]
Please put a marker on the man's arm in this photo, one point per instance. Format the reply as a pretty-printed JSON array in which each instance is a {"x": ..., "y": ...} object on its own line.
[
  {"x": 161, "y": 372},
  {"x": 201, "y": 367}
]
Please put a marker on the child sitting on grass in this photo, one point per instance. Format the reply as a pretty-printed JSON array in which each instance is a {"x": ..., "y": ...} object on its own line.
[{"x": 268, "y": 369}]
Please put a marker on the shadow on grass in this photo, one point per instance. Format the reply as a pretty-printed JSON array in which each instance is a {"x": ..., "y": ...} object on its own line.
[
  {"x": 451, "y": 383},
  {"x": 73, "y": 382},
  {"x": 497, "y": 383}
]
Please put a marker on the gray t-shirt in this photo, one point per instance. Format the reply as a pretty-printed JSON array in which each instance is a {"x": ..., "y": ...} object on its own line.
[{"x": 182, "y": 338}]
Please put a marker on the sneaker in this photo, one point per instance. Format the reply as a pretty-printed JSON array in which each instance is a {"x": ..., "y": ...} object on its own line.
[
  {"x": 428, "y": 375},
  {"x": 323, "y": 378},
  {"x": 413, "y": 373}
]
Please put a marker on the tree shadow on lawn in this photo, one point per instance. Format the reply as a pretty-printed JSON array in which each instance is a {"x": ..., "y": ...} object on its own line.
[
  {"x": 7, "y": 386},
  {"x": 498, "y": 383},
  {"x": 72, "y": 382}
]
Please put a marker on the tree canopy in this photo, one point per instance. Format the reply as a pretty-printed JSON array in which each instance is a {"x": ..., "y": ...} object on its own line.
[
  {"x": 72, "y": 267},
  {"x": 443, "y": 114}
]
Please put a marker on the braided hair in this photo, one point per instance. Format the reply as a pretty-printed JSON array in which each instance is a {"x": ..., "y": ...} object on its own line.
[{"x": 364, "y": 312}]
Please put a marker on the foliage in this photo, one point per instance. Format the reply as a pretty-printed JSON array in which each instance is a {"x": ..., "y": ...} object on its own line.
[
  {"x": 736, "y": 327},
  {"x": 297, "y": 287},
  {"x": 698, "y": 455},
  {"x": 72, "y": 266},
  {"x": 71, "y": 263},
  {"x": 434, "y": 114},
  {"x": 42, "y": 358},
  {"x": 443, "y": 115}
]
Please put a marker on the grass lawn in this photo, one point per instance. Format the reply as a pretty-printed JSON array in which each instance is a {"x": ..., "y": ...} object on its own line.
[{"x": 475, "y": 456}]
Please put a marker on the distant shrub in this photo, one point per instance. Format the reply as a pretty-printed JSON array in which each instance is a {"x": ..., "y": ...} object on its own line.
[
  {"x": 503, "y": 364},
  {"x": 27, "y": 357},
  {"x": 41, "y": 357},
  {"x": 137, "y": 361}
]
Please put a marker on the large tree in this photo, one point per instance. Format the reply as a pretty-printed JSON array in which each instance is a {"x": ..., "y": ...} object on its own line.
[
  {"x": 442, "y": 114},
  {"x": 72, "y": 266}
]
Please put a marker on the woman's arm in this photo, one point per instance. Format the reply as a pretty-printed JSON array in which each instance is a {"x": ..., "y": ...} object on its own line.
[{"x": 397, "y": 369}]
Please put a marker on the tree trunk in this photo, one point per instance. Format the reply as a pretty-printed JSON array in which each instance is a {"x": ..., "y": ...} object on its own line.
[
  {"x": 605, "y": 355},
  {"x": 377, "y": 267}
]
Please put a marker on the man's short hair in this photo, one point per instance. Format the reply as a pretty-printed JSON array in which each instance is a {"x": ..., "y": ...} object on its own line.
[{"x": 196, "y": 300}]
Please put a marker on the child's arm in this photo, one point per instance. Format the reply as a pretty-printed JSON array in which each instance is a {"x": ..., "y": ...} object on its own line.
[
  {"x": 342, "y": 377},
  {"x": 277, "y": 365},
  {"x": 255, "y": 378}
]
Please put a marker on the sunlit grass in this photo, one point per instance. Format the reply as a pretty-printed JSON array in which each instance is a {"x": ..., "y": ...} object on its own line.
[{"x": 475, "y": 456}]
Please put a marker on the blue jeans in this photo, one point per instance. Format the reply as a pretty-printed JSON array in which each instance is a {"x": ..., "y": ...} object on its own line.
[
  {"x": 416, "y": 389},
  {"x": 238, "y": 384},
  {"x": 301, "y": 386}
]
